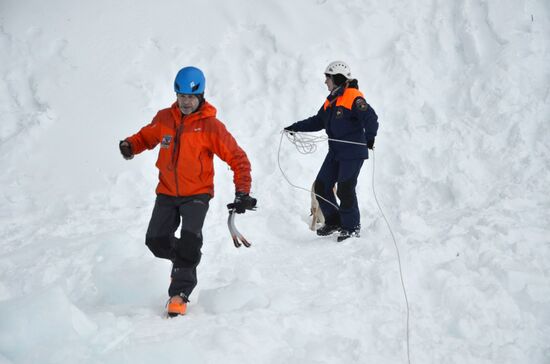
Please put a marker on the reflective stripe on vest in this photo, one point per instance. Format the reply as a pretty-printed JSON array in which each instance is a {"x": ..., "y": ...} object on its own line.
[{"x": 346, "y": 100}]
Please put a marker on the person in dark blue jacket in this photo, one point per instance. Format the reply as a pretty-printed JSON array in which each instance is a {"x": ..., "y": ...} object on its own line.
[{"x": 347, "y": 117}]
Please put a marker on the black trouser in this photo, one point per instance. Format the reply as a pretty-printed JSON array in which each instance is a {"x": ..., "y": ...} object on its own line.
[
  {"x": 345, "y": 173},
  {"x": 185, "y": 252}
]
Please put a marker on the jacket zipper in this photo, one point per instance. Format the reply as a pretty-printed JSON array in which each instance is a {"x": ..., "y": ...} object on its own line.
[{"x": 175, "y": 156}]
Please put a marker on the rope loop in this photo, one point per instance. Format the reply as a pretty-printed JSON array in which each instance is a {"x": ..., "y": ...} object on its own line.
[{"x": 305, "y": 143}]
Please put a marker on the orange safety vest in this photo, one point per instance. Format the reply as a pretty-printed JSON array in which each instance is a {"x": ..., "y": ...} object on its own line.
[{"x": 346, "y": 99}]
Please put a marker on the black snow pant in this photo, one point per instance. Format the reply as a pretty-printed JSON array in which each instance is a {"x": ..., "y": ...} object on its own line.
[
  {"x": 185, "y": 251},
  {"x": 345, "y": 173}
]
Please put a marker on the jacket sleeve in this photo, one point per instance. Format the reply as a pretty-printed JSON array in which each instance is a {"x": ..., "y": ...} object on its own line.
[
  {"x": 226, "y": 147},
  {"x": 367, "y": 116},
  {"x": 313, "y": 123},
  {"x": 147, "y": 138}
]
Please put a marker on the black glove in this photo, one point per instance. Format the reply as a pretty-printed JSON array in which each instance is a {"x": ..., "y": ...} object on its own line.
[
  {"x": 126, "y": 149},
  {"x": 242, "y": 203},
  {"x": 370, "y": 144},
  {"x": 290, "y": 129}
]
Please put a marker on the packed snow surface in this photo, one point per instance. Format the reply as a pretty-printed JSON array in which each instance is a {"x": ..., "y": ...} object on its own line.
[{"x": 461, "y": 171}]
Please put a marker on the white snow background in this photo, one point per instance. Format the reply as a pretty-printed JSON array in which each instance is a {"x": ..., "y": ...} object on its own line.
[{"x": 462, "y": 90}]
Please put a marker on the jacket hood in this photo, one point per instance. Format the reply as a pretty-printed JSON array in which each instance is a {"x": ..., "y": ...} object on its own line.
[{"x": 205, "y": 110}]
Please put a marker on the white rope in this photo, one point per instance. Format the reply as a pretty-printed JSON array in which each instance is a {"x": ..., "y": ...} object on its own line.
[
  {"x": 307, "y": 144},
  {"x": 398, "y": 259},
  {"x": 304, "y": 145}
]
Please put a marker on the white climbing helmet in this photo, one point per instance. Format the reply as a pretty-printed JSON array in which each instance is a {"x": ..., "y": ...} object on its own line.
[{"x": 338, "y": 67}]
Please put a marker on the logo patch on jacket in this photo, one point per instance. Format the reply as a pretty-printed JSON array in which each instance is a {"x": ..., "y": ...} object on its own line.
[
  {"x": 166, "y": 141},
  {"x": 361, "y": 104},
  {"x": 339, "y": 113}
]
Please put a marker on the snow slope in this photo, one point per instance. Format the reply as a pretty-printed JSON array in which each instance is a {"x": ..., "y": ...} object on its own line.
[{"x": 461, "y": 170}]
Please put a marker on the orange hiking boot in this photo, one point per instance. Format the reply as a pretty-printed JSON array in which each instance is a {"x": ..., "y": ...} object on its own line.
[{"x": 177, "y": 305}]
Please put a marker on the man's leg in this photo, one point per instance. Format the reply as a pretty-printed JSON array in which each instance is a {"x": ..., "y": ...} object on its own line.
[
  {"x": 162, "y": 226},
  {"x": 188, "y": 247},
  {"x": 324, "y": 187},
  {"x": 347, "y": 181}
]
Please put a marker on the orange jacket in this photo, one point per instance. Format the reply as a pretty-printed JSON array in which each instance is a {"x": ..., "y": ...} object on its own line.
[{"x": 187, "y": 147}]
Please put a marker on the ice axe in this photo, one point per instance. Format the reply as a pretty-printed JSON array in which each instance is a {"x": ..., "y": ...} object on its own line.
[{"x": 247, "y": 203}]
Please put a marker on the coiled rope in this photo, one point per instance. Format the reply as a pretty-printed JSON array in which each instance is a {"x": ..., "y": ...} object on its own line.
[{"x": 307, "y": 144}]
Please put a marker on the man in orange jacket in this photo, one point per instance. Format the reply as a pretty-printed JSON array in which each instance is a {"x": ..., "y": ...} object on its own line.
[{"x": 189, "y": 135}]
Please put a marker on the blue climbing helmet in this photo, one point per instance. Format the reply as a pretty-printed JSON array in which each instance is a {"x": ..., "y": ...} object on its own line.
[{"x": 190, "y": 81}]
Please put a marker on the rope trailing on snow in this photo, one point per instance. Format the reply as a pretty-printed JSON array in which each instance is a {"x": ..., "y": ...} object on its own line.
[
  {"x": 398, "y": 259},
  {"x": 307, "y": 144}
]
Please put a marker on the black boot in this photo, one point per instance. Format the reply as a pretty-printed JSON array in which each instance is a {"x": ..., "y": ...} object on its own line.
[
  {"x": 327, "y": 229},
  {"x": 345, "y": 233}
]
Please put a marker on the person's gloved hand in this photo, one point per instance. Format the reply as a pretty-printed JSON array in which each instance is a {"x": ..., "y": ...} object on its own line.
[
  {"x": 290, "y": 129},
  {"x": 370, "y": 144},
  {"x": 126, "y": 149},
  {"x": 242, "y": 203}
]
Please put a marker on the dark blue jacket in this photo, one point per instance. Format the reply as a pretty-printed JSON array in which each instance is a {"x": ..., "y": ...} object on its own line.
[{"x": 345, "y": 115}]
